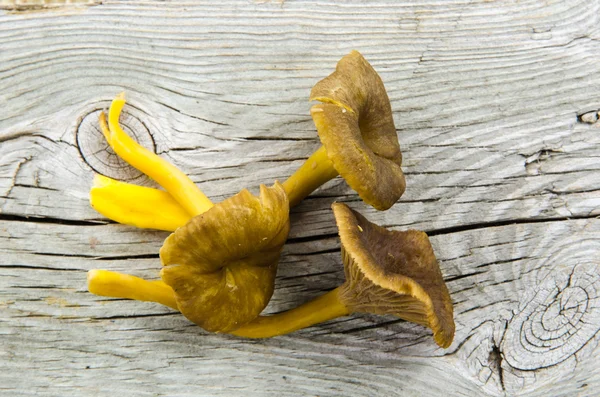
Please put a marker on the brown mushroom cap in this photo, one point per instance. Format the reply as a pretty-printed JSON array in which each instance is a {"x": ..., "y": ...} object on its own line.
[
  {"x": 222, "y": 264},
  {"x": 393, "y": 272},
  {"x": 356, "y": 126}
]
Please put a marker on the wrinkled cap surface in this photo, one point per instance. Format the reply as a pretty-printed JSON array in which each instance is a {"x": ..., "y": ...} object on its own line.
[
  {"x": 222, "y": 263},
  {"x": 393, "y": 272},
  {"x": 356, "y": 126}
]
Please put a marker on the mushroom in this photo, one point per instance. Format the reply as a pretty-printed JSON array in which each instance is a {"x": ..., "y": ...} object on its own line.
[
  {"x": 219, "y": 264},
  {"x": 138, "y": 206},
  {"x": 357, "y": 132},
  {"x": 219, "y": 268},
  {"x": 359, "y": 142},
  {"x": 131, "y": 204},
  {"x": 113, "y": 284},
  {"x": 387, "y": 272},
  {"x": 358, "y": 136}
]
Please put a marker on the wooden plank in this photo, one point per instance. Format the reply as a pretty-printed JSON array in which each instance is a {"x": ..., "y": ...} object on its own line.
[
  {"x": 496, "y": 107},
  {"x": 526, "y": 307},
  {"x": 473, "y": 115}
]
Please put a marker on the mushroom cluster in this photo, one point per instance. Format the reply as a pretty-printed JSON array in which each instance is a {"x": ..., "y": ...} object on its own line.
[{"x": 220, "y": 262}]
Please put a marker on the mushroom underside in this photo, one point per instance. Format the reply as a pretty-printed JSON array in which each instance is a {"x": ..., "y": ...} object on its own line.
[{"x": 393, "y": 272}]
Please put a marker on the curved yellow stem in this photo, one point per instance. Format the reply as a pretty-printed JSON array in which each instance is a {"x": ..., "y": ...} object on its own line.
[
  {"x": 119, "y": 285},
  {"x": 183, "y": 190},
  {"x": 315, "y": 171},
  {"x": 323, "y": 308},
  {"x": 143, "y": 207}
]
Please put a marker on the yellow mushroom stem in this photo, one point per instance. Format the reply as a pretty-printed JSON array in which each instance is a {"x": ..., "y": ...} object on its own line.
[
  {"x": 315, "y": 171},
  {"x": 119, "y": 285},
  {"x": 323, "y": 308},
  {"x": 138, "y": 206},
  {"x": 183, "y": 190},
  {"x": 146, "y": 207},
  {"x": 130, "y": 204}
]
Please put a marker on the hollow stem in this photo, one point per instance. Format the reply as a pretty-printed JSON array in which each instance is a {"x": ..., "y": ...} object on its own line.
[
  {"x": 183, "y": 190},
  {"x": 118, "y": 285},
  {"x": 315, "y": 171},
  {"x": 323, "y": 308},
  {"x": 143, "y": 207}
]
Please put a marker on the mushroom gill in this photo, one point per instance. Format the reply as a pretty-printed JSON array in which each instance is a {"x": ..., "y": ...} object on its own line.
[{"x": 393, "y": 272}]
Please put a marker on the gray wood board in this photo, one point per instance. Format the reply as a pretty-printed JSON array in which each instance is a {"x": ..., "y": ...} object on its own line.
[{"x": 496, "y": 106}]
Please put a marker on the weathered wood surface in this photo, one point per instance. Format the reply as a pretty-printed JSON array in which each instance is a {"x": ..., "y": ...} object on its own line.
[{"x": 496, "y": 107}]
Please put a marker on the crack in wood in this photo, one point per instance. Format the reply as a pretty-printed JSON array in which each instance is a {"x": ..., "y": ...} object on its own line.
[
  {"x": 50, "y": 220},
  {"x": 502, "y": 261},
  {"x": 277, "y": 138},
  {"x": 31, "y": 267},
  {"x": 308, "y": 239},
  {"x": 101, "y": 258},
  {"x": 461, "y": 276},
  {"x": 373, "y": 326},
  {"x": 496, "y": 358},
  {"x": 485, "y": 225},
  {"x": 134, "y": 316}
]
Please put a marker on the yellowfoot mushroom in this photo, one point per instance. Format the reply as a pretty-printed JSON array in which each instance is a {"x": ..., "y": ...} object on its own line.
[
  {"x": 358, "y": 136},
  {"x": 220, "y": 262},
  {"x": 387, "y": 272},
  {"x": 219, "y": 268},
  {"x": 359, "y": 142}
]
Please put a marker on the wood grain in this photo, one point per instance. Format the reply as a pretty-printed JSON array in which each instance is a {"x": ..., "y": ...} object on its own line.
[{"x": 496, "y": 106}]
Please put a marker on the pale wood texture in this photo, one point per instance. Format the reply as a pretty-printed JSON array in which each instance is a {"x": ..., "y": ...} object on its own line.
[{"x": 496, "y": 108}]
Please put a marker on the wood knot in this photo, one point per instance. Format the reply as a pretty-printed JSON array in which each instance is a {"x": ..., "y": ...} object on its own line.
[
  {"x": 588, "y": 117},
  {"x": 96, "y": 152},
  {"x": 558, "y": 318}
]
